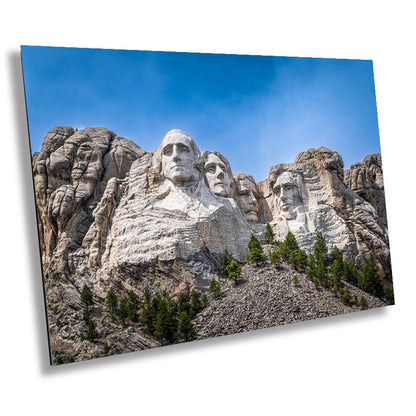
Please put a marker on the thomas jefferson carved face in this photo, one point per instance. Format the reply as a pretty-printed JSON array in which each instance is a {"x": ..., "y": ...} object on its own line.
[
  {"x": 179, "y": 157},
  {"x": 287, "y": 195},
  {"x": 217, "y": 176},
  {"x": 246, "y": 194}
]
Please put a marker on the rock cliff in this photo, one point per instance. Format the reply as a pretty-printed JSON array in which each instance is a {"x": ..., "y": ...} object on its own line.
[{"x": 112, "y": 215}]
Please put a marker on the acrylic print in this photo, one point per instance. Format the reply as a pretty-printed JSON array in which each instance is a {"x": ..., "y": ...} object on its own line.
[{"x": 183, "y": 196}]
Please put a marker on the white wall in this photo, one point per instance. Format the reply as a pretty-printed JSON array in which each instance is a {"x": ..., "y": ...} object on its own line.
[{"x": 358, "y": 364}]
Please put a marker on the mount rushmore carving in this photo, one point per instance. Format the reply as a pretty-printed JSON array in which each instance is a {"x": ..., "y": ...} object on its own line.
[{"x": 107, "y": 209}]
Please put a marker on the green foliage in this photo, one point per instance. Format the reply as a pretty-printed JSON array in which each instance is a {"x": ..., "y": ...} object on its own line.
[
  {"x": 204, "y": 300},
  {"x": 320, "y": 250},
  {"x": 293, "y": 258},
  {"x": 71, "y": 359},
  {"x": 336, "y": 273},
  {"x": 186, "y": 331},
  {"x": 91, "y": 331},
  {"x": 86, "y": 295},
  {"x": 215, "y": 288},
  {"x": 106, "y": 348},
  {"x": 184, "y": 303},
  {"x": 321, "y": 271},
  {"x": 288, "y": 246},
  {"x": 295, "y": 280},
  {"x": 370, "y": 279},
  {"x": 224, "y": 263},
  {"x": 389, "y": 295},
  {"x": 336, "y": 255},
  {"x": 253, "y": 243},
  {"x": 116, "y": 195},
  {"x": 123, "y": 309},
  {"x": 316, "y": 282},
  {"x": 133, "y": 306},
  {"x": 346, "y": 297},
  {"x": 363, "y": 303},
  {"x": 355, "y": 300},
  {"x": 275, "y": 258},
  {"x": 234, "y": 271},
  {"x": 58, "y": 322},
  {"x": 166, "y": 324},
  {"x": 269, "y": 234},
  {"x": 112, "y": 300},
  {"x": 311, "y": 270},
  {"x": 87, "y": 315},
  {"x": 301, "y": 259},
  {"x": 196, "y": 304}
]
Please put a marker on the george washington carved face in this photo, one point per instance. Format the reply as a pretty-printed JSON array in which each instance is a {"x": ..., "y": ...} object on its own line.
[
  {"x": 179, "y": 155},
  {"x": 218, "y": 174}
]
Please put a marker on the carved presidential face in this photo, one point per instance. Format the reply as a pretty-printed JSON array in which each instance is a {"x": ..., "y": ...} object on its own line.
[
  {"x": 217, "y": 176},
  {"x": 287, "y": 195},
  {"x": 247, "y": 193},
  {"x": 179, "y": 157}
]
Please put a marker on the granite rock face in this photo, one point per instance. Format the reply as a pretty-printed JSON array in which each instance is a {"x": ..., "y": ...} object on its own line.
[
  {"x": 309, "y": 195},
  {"x": 70, "y": 175},
  {"x": 112, "y": 215},
  {"x": 366, "y": 179}
]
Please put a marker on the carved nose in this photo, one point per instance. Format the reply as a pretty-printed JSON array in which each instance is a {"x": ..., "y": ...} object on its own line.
[{"x": 220, "y": 175}]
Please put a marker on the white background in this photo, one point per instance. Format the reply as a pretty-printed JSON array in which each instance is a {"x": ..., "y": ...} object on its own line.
[{"x": 358, "y": 364}]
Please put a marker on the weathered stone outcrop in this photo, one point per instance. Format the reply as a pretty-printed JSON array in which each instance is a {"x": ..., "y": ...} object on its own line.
[
  {"x": 112, "y": 215},
  {"x": 366, "y": 179},
  {"x": 70, "y": 175},
  {"x": 309, "y": 195}
]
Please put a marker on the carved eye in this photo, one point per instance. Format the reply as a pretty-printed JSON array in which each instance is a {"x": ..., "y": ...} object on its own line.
[
  {"x": 184, "y": 149},
  {"x": 277, "y": 191},
  {"x": 167, "y": 151},
  {"x": 210, "y": 169}
]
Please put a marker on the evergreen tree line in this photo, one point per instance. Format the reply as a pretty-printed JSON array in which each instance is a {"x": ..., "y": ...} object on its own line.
[
  {"x": 169, "y": 320},
  {"x": 328, "y": 270}
]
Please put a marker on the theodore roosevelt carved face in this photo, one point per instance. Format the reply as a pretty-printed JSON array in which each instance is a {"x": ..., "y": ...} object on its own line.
[
  {"x": 218, "y": 173},
  {"x": 179, "y": 154}
]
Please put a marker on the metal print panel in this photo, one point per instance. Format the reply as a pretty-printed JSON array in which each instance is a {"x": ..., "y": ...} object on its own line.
[{"x": 181, "y": 196}]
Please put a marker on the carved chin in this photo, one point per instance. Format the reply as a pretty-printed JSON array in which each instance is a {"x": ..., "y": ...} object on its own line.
[
  {"x": 221, "y": 190},
  {"x": 251, "y": 216},
  {"x": 289, "y": 215}
]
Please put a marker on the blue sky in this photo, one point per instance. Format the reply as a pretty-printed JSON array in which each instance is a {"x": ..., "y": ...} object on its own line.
[{"x": 256, "y": 110}]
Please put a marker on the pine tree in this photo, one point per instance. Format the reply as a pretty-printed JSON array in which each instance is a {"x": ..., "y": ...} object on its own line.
[
  {"x": 336, "y": 254},
  {"x": 311, "y": 270},
  {"x": 86, "y": 295},
  {"x": 295, "y": 280},
  {"x": 302, "y": 259},
  {"x": 363, "y": 303},
  {"x": 346, "y": 297},
  {"x": 123, "y": 310},
  {"x": 183, "y": 303},
  {"x": 204, "y": 301},
  {"x": 133, "y": 306},
  {"x": 215, "y": 288},
  {"x": 91, "y": 331},
  {"x": 196, "y": 305},
  {"x": 321, "y": 271},
  {"x": 336, "y": 273},
  {"x": 320, "y": 249},
  {"x": 112, "y": 301},
  {"x": 389, "y": 295},
  {"x": 269, "y": 234},
  {"x": 288, "y": 246},
  {"x": 186, "y": 331},
  {"x": 87, "y": 315},
  {"x": 106, "y": 348},
  {"x": 166, "y": 325},
  {"x": 256, "y": 251},
  {"x": 224, "y": 263},
  {"x": 293, "y": 258},
  {"x": 234, "y": 271},
  {"x": 275, "y": 259},
  {"x": 370, "y": 281}
]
